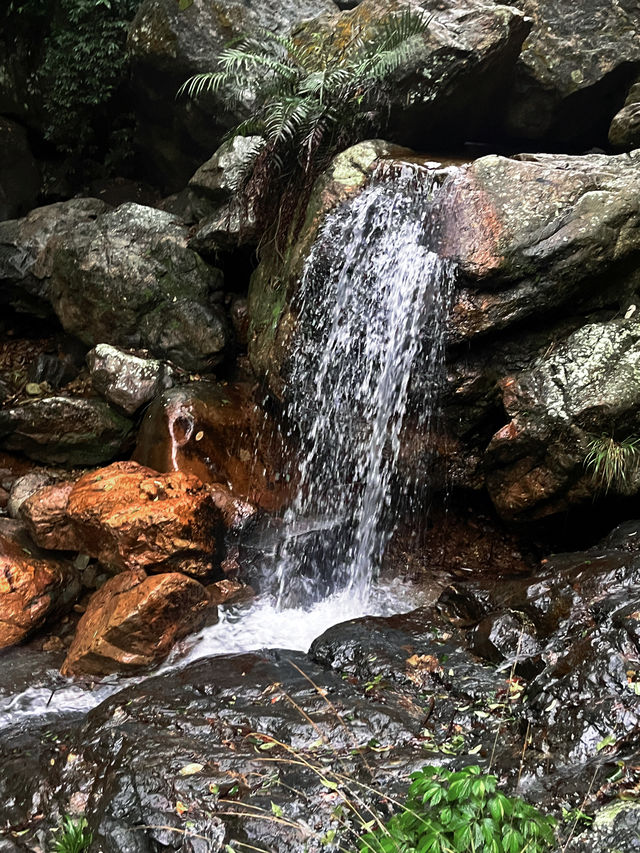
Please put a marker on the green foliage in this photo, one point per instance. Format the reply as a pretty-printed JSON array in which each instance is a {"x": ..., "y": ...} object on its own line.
[
  {"x": 76, "y": 54},
  {"x": 72, "y": 836},
  {"x": 311, "y": 96},
  {"x": 613, "y": 464},
  {"x": 461, "y": 812}
]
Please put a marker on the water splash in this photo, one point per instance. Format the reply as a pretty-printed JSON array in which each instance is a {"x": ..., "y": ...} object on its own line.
[{"x": 371, "y": 311}]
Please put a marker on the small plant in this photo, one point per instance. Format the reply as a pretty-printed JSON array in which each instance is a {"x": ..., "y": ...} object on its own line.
[
  {"x": 309, "y": 96},
  {"x": 461, "y": 812},
  {"x": 72, "y": 836},
  {"x": 612, "y": 463}
]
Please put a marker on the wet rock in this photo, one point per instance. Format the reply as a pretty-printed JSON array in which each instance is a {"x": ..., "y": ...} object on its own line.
[
  {"x": 64, "y": 430},
  {"x": 450, "y": 83},
  {"x": 167, "y": 45},
  {"x": 509, "y": 636},
  {"x": 569, "y": 398},
  {"x": 222, "y": 175},
  {"x": 625, "y": 126},
  {"x": 126, "y": 380},
  {"x": 232, "y": 226},
  {"x": 19, "y": 173},
  {"x": 217, "y": 433},
  {"x": 576, "y": 64},
  {"x": 25, "y": 486},
  {"x": 239, "y": 312},
  {"x": 273, "y": 285},
  {"x": 128, "y": 279},
  {"x": 132, "y": 517},
  {"x": 540, "y": 232},
  {"x": 31, "y": 589},
  {"x": 54, "y": 369},
  {"x": 44, "y": 513},
  {"x": 134, "y": 620},
  {"x": 615, "y": 829},
  {"x": 24, "y": 266},
  {"x": 229, "y": 592}
]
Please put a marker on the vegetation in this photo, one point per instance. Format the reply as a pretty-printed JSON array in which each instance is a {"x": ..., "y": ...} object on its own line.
[
  {"x": 72, "y": 836},
  {"x": 461, "y": 812},
  {"x": 74, "y": 56},
  {"x": 613, "y": 464},
  {"x": 310, "y": 96}
]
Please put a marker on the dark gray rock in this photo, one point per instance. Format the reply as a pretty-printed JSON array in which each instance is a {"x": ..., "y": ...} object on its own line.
[
  {"x": 167, "y": 45},
  {"x": 127, "y": 380},
  {"x": 64, "y": 430},
  {"x": 451, "y": 84},
  {"x": 19, "y": 173},
  {"x": 129, "y": 279},
  {"x": 576, "y": 65},
  {"x": 24, "y": 267},
  {"x": 625, "y": 126},
  {"x": 616, "y": 829},
  {"x": 222, "y": 175},
  {"x": 586, "y": 390}
]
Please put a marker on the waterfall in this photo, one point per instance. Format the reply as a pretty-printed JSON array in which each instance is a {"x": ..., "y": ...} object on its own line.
[{"x": 371, "y": 311}]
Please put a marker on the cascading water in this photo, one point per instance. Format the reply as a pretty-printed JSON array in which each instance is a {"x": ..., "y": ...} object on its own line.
[
  {"x": 371, "y": 310},
  {"x": 371, "y": 313}
]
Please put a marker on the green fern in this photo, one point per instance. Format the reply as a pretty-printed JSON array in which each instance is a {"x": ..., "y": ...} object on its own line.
[{"x": 310, "y": 98}]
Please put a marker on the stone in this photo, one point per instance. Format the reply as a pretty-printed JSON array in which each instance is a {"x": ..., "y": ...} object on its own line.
[
  {"x": 232, "y": 226},
  {"x": 537, "y": 233},
  {"x": 578, "y": 60},
  {"x": 19, "y": 173},
  {"x": 624, "y": 131},
  {"x": 32, "y": 589},
  {"x": 229, "y": 592},
  {"x": 537, "y": 463},
  {"x": 217, "y": 433},
  {"x": 133, "y": 621},
  {"x": 126, "y": 380},
  {"x": 132, "y": 517},
  {"x": 44, "y": 513},
  {"x": 129, "y": 280},
  {"x": 167, "y": 45},
  {"x": 451, "y": 83},
  {"x": 64, "y": 430},
  {"x": 24, "y": 267},
  {"x": 23, "y": 487},
  {"x": 221, "y": 176}
]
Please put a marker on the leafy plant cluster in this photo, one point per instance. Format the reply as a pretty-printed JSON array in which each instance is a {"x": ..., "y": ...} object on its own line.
[
  {"x": 613, "y": 464},
  {"x": 72, "y": 836},
  {"x": 461, "y": 812},
  {"x": 76, "y": 58},
  {"x": 309, "y": 95}
]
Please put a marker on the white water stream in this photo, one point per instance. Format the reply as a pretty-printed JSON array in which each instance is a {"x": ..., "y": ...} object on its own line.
[{"x": 371, "y": 309}]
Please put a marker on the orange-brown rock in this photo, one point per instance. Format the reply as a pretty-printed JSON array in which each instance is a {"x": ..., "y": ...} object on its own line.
[
  {"x": 131, "y": 517},
  {"x": 218, "y": 433},
  {"x": 45, "y": 516},
  {"x": 229, "y": 591},
  {"x": 31, "y": 588},
  {"x": 134, "y": 620}
]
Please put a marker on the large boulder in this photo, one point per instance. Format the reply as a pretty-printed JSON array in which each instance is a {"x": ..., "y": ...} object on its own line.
[
  {"x": 128, "y": 279},
  {"x": 219, "y": 434},
  {"x": 539, "y": 233},
  {"x": 583, "y": 396},
  {"x": 67, "y": 431},
  {"x": 574, "y": 70},
  {"x": 134, "y": 620},
  {"x": 167, "y": 44},
  {"x": 452, "y": 81},
  {"x": 131, "y": 517},
  {"x": 32, "y": 588},
  {"x": 24, "y": 269}
]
